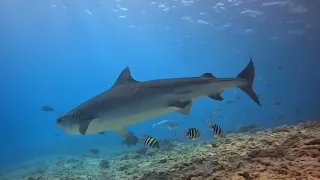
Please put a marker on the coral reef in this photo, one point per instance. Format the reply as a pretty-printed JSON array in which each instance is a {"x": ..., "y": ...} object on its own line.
[
  {"x": 104, "y": 164},
  {"x": 287, "y": 152}
]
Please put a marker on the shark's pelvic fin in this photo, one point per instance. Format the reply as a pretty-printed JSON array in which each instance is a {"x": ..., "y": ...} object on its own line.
[
  {"x": 184, "y": 106},
  {"x": 124, "y": 78},
  {"x": 213, "y": 96},
  {"x": 179, "y": 104},
  {"x": 186, "y": 110},
  {"x": 216, "y": 97},
  {"x": 248, "y": 75}
]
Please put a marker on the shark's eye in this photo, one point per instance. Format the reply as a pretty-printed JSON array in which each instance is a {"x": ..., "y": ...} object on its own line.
[{"x": 60, "y": 120}]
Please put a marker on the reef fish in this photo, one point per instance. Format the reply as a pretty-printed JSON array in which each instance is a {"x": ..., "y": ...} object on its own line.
[
  {"x": 208, "y": 168},
  {"x": 217, "y": 131},
  {"x": 192, "y": 133},
  {"x": 47, "y": 108},
  {"x": 130, "y": 141},
  {"x": 95, "y": 151},
  {"x": 129, "y": 102},
  {"x": 167, "y": 124},
  {"x": 150, "y": 142}
]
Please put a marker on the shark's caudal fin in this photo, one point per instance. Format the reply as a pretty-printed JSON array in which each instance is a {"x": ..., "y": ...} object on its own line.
[{"x": 248, "y": 74}]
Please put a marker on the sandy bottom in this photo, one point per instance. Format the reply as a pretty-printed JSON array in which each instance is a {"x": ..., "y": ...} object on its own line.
[{"x": 287, "y": 152}]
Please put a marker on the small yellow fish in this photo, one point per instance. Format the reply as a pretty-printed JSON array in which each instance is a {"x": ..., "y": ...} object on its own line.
[{"x": 150, "y": 141}]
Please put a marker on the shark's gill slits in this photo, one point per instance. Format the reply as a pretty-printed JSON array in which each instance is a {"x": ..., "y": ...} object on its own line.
[{"x": 78, "y": 115}]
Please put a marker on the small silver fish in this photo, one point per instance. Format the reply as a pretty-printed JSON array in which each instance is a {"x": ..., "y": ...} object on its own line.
[
  {"x": 208, "y": 168},
  {"x": 170, "y": 125},
  {"x": 217, "y": 131},
  {"x": 150, "y": 141},
  {"x": 192, "y": 133}
]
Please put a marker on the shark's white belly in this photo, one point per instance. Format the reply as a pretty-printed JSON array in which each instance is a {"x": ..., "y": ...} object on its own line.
[
  {"x": 117, "y": 122},
  {"x": 106, "y": 124}
]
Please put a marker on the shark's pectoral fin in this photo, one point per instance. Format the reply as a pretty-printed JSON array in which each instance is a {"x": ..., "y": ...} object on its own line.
[
  {"x": 216, "y": 97},
  {"x": 84, "y": 126},
  {"x": 186, "y": 110},
  {"x": 84, "y": 118}
]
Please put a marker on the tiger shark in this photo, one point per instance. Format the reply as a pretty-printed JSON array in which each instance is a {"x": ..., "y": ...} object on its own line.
[{"x": 129, "y": 102}]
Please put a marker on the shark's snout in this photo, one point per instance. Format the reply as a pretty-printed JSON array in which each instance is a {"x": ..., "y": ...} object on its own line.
[
  {"x": 66, "y": 124},
  {"x": 60, "y": 122}
]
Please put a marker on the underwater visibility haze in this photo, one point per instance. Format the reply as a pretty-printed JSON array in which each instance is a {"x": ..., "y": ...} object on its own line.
[{"x": 163, "y": 89}]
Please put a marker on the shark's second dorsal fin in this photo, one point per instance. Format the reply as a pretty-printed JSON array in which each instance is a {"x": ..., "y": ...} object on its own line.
[
  {"x": 208, "y": 75},
  {"x": 124, "y": 78}
]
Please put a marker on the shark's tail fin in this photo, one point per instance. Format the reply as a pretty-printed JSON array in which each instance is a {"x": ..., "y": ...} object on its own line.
[{"x": 248, "y": 74}]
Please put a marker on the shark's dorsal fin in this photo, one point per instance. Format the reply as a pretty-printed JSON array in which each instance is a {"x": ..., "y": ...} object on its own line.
[
  {"x": 124, "y": 78},
  {"x": 208, "y": 75}
]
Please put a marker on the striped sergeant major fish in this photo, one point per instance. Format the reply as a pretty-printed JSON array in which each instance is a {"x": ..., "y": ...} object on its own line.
[
  {"x": 150, "y": 141},
  {"x": 192, "y": 133},
  {"x": 217, "y": 131}
]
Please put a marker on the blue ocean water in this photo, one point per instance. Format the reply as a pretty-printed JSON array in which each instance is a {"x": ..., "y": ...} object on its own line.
[{"x": 62, "y": 53}]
